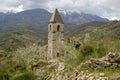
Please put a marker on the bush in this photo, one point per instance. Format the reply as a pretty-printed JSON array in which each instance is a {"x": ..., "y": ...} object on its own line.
[
  {"x": 30, "y": 54},
  {"x": 86, "y": 53},
  {"x": 87, "y": 50},
  {"x": 116, "y": 46},
  {"x": 20, "y": 67},
  {"x": 101, "y": 51},
  {"x": 77, "y": 45},
  {"x": 25, "y": 76},
  {"x": 70, "y": 67},
  {"x": 4, "y": 75}
]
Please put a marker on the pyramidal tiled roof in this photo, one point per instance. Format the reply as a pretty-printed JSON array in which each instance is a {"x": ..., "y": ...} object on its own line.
[{"x": 56, "y": 17}]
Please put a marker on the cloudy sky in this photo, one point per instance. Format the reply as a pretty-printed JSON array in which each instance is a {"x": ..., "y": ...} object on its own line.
[{"x": 104, "y": 8}]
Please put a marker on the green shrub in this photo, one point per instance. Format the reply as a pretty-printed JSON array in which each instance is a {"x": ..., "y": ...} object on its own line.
[
  {"x": 80, "y": 58},
  {"x": 25, "y": 76},
  {"x": 116, "y": 46},
  {"x": 101, "y": 51},
  {"x": 4, "y": 75},
  {"x": 87, "y": 50},
  {"x": 20, "y": 67},
  {"x": 70, "y": 67},
  {"x": 77, "y": 45}
]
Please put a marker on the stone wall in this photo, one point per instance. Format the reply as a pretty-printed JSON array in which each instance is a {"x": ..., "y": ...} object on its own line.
[{"x": 111, "y": 61}]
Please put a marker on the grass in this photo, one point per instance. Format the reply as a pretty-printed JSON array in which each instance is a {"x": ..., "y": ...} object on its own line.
[
  {"x": 111, "y": 72},
  {"x": 24, "y": 76},
  {"x": 91, "y": 50},
  {"x": 114, "y": 46},
  {"x": 108, "y": 72},
  {"x": 46, "y": 73},
  {"x": 4, "y": 75}
]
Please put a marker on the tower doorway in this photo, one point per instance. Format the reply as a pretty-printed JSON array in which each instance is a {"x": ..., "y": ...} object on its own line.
[{"x": 58, "y": 54}]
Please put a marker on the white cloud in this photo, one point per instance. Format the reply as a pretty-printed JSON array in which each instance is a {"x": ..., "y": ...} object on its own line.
[
  {"x": 103, "y": 8},
  {"x": 15, "y": 9},
  {"x": 6, "y": 4},
  {"x": 114, "y": 18}
]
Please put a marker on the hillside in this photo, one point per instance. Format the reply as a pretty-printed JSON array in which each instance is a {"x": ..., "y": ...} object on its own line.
[
  {"x": 80, "y": 28},
  {"x": 99, "y": 31},
  {"x": 21, "y": 38},
  {"x": 23, "y": 53}
]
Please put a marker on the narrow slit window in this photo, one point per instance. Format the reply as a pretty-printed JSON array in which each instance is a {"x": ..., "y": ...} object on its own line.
[
  {"x": 58, "y": 28},
  {"x": 50, "y": 27}
]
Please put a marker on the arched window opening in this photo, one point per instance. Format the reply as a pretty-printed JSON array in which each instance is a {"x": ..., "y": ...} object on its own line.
[{"x": 58, "y": 28}]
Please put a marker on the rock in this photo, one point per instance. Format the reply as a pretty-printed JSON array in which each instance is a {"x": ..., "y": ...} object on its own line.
[
  {"x": 85, "y": 75},
  {"x": 114, "y": 65},
  {"x": 102, "y": 74},
  {"x": 111, "y": 61},
  {"x": 91, "y": 78},
  {"x": 61, "y": 66},
  {"x": 108, "y": 64},
  {"x": 118, "y": 65},
  {"x": 114, "y": 78},
  {"x": 110, "y": 55},
  {"x": 114, "y": 57}
]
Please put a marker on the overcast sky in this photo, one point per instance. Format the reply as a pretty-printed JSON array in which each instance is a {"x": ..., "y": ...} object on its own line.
[{"x": 104, "y": 8}]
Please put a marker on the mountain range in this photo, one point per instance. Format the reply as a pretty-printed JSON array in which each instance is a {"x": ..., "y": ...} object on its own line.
[{"x": 39, "y": 18}]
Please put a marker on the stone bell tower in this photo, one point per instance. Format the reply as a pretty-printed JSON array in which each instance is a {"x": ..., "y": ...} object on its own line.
[{"x": 55, "y": 36}]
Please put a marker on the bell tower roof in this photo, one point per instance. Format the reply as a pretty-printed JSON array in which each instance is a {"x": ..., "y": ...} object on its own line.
[{"x": 56, "y": 17}]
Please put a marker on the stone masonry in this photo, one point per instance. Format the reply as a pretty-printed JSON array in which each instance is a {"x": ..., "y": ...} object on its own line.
[{"x": 55, "y": 36}]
